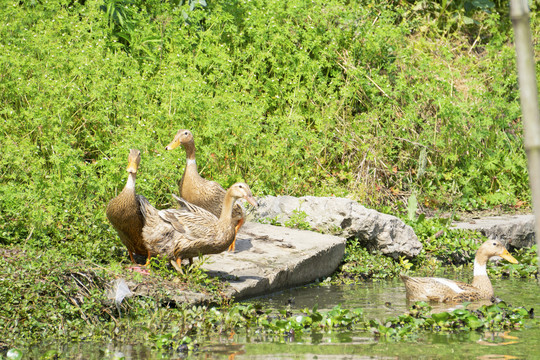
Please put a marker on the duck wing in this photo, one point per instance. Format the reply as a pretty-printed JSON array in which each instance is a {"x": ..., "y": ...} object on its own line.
[
  {"x": 146, "y": 209},
  {"x": 435, "y": 289},
  {"x": 188, "y": 207},
  {"x": 191, "y": 225}
]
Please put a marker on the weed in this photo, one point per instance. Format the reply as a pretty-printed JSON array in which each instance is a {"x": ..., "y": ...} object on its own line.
[
  {"x": 298, "y": 220},
  {"x": 494, "y": 317},
  {"x": 325, "y": 99}
]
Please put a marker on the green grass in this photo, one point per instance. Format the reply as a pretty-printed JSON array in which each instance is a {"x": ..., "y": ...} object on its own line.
[{"x": 46, "y": 294}]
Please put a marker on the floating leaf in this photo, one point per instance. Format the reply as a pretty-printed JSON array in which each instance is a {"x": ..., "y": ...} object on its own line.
[
  {"x": 440, "y": 317},
  {"x": 474, "y": 323}
]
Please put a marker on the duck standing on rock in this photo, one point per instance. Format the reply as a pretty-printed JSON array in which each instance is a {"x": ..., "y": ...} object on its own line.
[
  {"x": 198, "y": 191},
  {"x": 191, "y": 230},
  {"x": 445, "y": 290},
  {"x": 124, "y": 211}
]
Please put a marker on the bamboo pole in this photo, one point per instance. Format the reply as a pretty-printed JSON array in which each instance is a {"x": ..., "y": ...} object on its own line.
[{"x": 519, "y": 13}]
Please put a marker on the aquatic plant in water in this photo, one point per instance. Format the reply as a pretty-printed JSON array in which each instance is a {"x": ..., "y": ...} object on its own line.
[
  {"x": 191, "y": 327},
  {"x": 256, "y": 324},
  {"x": 495, "y": 317}
]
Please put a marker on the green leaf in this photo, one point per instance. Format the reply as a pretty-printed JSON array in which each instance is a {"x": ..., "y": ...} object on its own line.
[
  {"x": 412, "y": 206},
  {"x": 467, "y": 20},
  {"x": 474, "y": 323},
  {"x": 440, "y": 317},
  {"x": 14, "y": 354}
]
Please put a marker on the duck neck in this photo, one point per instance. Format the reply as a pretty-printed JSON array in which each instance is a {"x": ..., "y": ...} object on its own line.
[
  {"x": 481, "y": 280},
  {"x": 130, "y": 184},
  {"x": 479, "y": 267},
  {"x": 126, "y": 200},
  {"x": 226, "y": 210},
  {"x": 190, "y": 155}
]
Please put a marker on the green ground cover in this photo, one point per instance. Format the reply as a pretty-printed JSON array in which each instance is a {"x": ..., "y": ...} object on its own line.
[{"x": 375, "y": 100}]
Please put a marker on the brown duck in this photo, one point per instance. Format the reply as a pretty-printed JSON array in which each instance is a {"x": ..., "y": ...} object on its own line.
[
  {"x": 191, "y": 230},
  {"x": 445, "y": 290},
  {"x": 124, "y": 211},
  {"x": 198, "y": 191}
]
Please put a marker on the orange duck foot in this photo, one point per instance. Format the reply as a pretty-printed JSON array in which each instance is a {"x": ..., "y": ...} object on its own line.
[
  {"x": 237, "y": 227},
  {"x": 177, "y": 264}
]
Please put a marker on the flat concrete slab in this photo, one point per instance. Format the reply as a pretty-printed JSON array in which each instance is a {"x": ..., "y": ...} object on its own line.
[{"x": 271, "y": 258}]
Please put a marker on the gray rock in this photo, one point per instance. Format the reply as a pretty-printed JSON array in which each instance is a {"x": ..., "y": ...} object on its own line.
[
  {"x": 346, "y": 218},
  {"x": 512, "y": 230},
  {"x": 270, "y": 258}
]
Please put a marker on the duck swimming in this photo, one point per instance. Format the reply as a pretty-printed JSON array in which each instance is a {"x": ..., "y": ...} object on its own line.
[{"x": 445, "y": 290}]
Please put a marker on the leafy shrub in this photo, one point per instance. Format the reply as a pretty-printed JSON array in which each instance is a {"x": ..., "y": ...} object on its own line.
[
  {"x": 295, "y": 98},
  {"x": 361, "y": 264}
]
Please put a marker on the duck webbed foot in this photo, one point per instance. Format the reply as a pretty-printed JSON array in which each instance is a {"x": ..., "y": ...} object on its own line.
[
  {"x": 148, "y": 256},
  {"x": 144, "y": 269}
]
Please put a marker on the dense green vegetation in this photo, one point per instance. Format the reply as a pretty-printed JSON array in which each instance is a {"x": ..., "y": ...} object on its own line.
[
  {"x": 375, "y": 100},
  {"x": 365, "y": 99},
  {"x": 38, "y": 283}
]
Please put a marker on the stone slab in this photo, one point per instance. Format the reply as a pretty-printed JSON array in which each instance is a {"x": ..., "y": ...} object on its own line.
[
  {"x": 512, "y": 230},
  {"x": 270, "y": 258}
]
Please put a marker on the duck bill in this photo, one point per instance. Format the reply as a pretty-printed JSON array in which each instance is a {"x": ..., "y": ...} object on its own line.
[
  {"x": 506, "y": 255},
  {"x": 250, "y": 199},
  {"x": 132, "y": 167},
  {"x": 173, "y": 145}
]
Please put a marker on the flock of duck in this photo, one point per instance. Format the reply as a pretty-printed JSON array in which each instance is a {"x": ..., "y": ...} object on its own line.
[
  {"x": 205, "y": 222},
  {"x": 208, "y": 218}
]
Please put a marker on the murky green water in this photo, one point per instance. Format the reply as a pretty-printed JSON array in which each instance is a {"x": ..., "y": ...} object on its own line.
[
  {"x": 387, "y": 298},
  {"x": 379, "y": 300}
]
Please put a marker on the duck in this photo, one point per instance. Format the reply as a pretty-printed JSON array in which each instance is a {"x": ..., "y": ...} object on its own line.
[
  {"x": 190, "y": 230},
  {"x": 124, "y": 212},
  {"x": 450, "y": 291},
  {"x": 198, "y": 191}
]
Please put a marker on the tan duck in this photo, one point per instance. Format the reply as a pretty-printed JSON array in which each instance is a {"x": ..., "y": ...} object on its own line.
[
  {"x": 445, "y": 290},
  {"x": 191, "y": 230},
  {"x": 124, "y": 211},
  {"x": 197, "y": 190}
]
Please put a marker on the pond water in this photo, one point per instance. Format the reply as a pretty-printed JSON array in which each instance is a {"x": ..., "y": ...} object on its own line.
[
  {"x": 379, "y": 300},
  {"x": 384, "y": 299}
]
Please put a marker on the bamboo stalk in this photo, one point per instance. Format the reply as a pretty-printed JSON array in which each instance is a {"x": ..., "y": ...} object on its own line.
[{"x": 528, "y": 89}]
